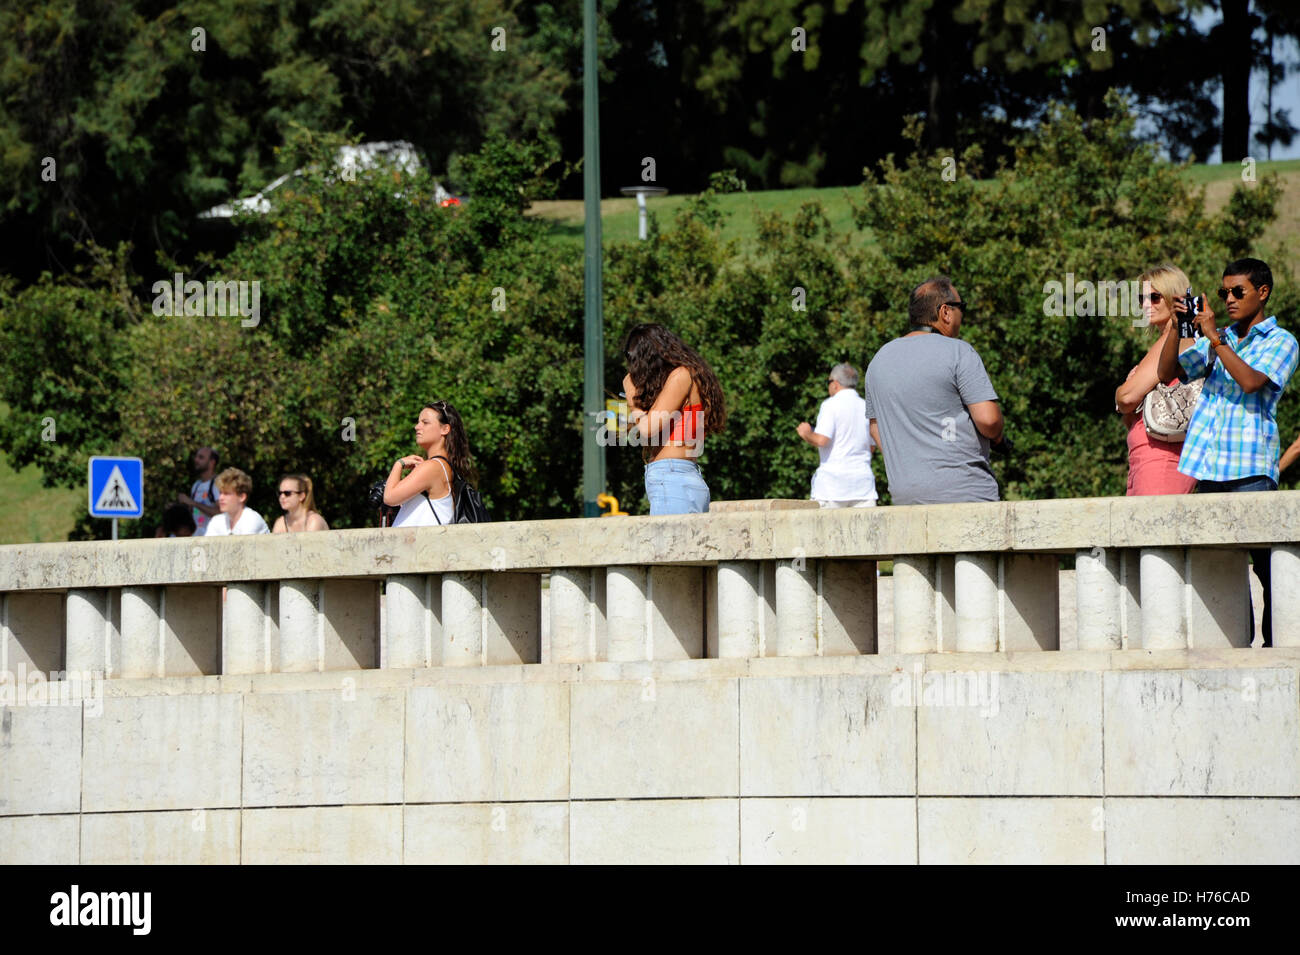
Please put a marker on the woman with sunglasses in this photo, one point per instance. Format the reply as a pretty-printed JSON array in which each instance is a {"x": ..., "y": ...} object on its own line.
[
  {"x": 1152, "y": 463},
  {"x": 674, "y": 400},
  {"x": 299, "y": 506},
  {"x": 424, "y": 496}
]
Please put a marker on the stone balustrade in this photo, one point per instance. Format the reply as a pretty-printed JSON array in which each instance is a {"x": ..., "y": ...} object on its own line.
[{"x": 756, "y": 580}]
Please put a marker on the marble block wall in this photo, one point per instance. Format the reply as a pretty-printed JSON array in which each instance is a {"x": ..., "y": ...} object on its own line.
[{"x": 1147, "y": 756}]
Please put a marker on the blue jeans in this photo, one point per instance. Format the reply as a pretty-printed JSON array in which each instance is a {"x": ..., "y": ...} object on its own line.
[
  {"x": 1256, "y": 482},
  {"x": 675, "y": 486},
  {"x": 1260, "y": 558}
]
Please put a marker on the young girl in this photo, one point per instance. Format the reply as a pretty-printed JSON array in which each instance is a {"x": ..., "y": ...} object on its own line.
[
  {"x": 299, "y": 506},
  {"x": 674, "y": 400},
  {"x": 424, "y": 495}
]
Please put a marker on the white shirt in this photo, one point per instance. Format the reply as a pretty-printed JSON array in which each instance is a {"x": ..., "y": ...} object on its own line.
[
  {"x": 845, "y": 472},
  {"x": 415, "y": 512},
  {"x": 250, "y": 522}
]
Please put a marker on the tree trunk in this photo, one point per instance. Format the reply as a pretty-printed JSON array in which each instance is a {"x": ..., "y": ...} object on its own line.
[
  {"x": 940, "y": 117},
  {"x": 1237, "y": 52},
  {"x": 1268, "y": 113}
]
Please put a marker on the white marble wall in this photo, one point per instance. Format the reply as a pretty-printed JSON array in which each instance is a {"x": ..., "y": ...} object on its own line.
[{"x": 1081, "y": 757}]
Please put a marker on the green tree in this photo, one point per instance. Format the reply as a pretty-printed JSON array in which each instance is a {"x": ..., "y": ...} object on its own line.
[
  {"x": 1241, "y": 52},
  {"x": 152, "y": 113},
  {"x": 64, "y": 344},
  {"x": 797, "y": 93}
]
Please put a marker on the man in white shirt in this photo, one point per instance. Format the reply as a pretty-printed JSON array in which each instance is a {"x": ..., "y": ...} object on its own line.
[
  {"x": 844, "y": 444},
  {"x": 233, "y": 488}
]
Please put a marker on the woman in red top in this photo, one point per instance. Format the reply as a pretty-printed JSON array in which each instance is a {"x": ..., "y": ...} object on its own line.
[
  {"x": 675, "y": 400},
  {"x": 1152, "y": 463}
]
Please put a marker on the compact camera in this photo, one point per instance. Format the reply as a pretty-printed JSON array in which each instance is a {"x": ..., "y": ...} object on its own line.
[{"x": 1187, "y": 308}]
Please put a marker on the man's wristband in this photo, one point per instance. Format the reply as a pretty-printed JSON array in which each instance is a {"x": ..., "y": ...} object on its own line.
[{"x": 1221, "y": 341}]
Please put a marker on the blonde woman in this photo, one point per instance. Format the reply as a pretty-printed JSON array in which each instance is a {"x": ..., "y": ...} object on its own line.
[
  {"x": 1152, "y": 463},
  {"x": 299, "y": 506}
]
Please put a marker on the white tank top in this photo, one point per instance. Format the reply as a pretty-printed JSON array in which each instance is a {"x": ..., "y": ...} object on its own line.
[{"x": 416, "y": 512}]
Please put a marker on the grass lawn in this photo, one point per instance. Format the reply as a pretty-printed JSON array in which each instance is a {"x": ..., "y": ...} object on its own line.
[
  {"x": 1231, "y": 172},
  {"x": 30, "y": 512},
  {"x": 1285, "y": 229},
  {"x": 619, "y": 216}
]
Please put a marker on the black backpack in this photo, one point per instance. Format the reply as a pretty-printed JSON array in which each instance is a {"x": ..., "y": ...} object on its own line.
[{"x": 466, "y": 503}]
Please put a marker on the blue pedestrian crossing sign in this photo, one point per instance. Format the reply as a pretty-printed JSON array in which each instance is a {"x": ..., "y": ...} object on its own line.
[{"x": 116, "y": 487}]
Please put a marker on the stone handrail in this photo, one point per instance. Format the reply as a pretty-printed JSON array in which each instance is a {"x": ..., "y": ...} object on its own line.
[{"x": 1157, "y": 572}]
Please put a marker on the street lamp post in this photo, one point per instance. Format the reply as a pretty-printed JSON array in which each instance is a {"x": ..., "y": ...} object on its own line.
[
  {"x": 641, "y": 192},
  {"x": 593, "y": 404}
]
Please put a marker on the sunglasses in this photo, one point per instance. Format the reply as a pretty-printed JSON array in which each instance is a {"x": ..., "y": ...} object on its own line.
[
  {"x": 287, "y": 493},
  {"x": 1155, "y": 298},
  {"x": 1237, "y": 291},
  {"x": 960, "y": 305}
]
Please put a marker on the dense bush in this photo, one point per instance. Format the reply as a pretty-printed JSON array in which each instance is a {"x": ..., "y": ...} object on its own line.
[{"x": 374, "y": 299}]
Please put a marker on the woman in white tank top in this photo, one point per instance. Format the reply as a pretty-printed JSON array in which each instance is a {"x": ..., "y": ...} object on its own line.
[{"x": 424, "y": 496}]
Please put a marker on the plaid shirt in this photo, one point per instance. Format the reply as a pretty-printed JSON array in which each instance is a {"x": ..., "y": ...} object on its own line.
[{"x": 1232, "y": 434}]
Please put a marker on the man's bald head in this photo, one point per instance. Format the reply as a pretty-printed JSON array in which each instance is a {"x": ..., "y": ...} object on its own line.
[{"x": 923, "y": 305}]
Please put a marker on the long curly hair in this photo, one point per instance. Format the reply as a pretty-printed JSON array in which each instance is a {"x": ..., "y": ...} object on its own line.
[
  {"x": 652, "y": 352},
  {"x": 462, "y": 462}
]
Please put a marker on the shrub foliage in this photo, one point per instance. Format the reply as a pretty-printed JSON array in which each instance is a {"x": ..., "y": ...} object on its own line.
[{"x": 375, "y": 299}]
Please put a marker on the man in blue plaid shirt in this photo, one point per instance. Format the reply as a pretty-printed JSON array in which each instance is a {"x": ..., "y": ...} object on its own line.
[{"x": 1232, "y": 440}]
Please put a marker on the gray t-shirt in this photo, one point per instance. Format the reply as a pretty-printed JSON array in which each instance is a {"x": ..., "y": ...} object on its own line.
[{"x": 917, "y": 389}]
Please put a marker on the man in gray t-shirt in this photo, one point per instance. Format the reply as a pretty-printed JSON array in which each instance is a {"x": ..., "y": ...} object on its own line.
[{"x": 932, "y": 408}]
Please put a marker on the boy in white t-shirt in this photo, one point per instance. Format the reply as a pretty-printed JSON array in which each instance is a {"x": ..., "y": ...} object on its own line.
[
  {"x": 843, "y": 441},
  {"x": 233, "y": 488}
]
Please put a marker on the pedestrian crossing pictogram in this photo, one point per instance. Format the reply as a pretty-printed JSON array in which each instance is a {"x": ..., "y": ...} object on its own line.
[
  {"x": 116, "y": 496},
  {"x": 116, "y": 487}
]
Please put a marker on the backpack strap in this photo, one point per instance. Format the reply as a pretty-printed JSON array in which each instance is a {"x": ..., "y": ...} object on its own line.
[
  {"x": 451, "y": 484},
  {"x": 431, "y": 507},
  {"x": 451, "y": 489}
]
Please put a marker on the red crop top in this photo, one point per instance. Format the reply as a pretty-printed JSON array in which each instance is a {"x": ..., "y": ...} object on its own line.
[{"x": 689, "y": 425}]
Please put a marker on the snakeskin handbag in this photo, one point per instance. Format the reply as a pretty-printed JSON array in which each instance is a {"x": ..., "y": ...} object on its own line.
[{"x": 1166, "y": 411}]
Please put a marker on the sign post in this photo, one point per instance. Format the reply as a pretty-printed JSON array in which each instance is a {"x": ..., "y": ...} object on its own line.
[{"x": 116, "y": 488}]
